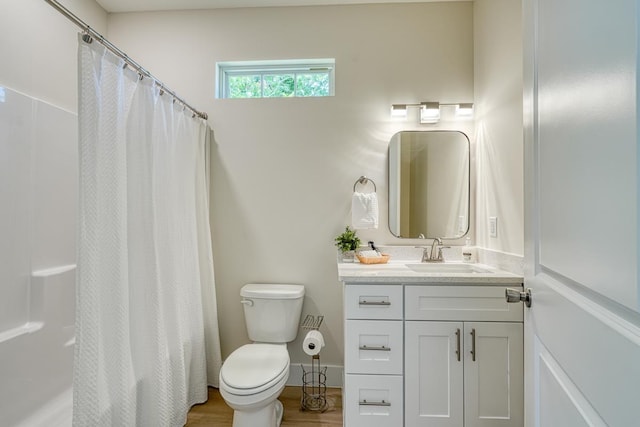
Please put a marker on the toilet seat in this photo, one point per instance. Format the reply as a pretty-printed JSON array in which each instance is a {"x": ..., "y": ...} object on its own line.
[{"x": 254, "y": 368}]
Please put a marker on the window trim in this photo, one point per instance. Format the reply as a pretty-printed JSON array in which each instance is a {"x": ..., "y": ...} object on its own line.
[{"x": 294, "y": 66}]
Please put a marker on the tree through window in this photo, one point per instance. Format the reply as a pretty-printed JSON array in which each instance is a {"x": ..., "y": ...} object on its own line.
[{"x": 276, "y": 79}]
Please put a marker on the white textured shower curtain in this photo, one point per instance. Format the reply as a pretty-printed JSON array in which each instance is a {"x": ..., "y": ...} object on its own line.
[{"x": 146, "y": 321}]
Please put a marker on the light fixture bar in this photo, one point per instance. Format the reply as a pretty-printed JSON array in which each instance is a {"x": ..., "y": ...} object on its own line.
[{"x": 430, "y": 111}]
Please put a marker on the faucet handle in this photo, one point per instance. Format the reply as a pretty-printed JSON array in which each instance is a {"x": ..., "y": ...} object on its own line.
[
  {"x": 426, "y": 254},
  {"x": 440, "y": 256}
]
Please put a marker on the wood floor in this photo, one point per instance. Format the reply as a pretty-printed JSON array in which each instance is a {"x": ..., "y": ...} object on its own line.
[{"x": 216, "y": 413}]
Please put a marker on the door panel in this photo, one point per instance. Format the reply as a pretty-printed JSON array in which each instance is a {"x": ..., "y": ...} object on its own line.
[
  {"x": 596, "y": 351},
  {"x": 582, "y": 332},
  {"x": 561, "y": 403}
]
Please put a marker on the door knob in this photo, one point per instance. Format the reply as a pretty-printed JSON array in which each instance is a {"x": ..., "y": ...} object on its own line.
[{"x": 515, "y": 295}]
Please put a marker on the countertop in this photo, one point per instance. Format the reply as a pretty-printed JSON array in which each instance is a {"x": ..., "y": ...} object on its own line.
[{"x": 400, "y": 272}]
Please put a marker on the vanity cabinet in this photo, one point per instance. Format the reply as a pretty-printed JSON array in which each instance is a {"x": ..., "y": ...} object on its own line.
[
  {"x": 463, "y": 374},
  {"x": 374, "y": 356},
  {"x": 432, "y": 355}
]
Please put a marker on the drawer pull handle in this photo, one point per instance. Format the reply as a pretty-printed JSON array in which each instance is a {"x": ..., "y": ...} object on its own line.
[
  {"x": 366, "y": 403},
  {"x": 382, "y": 348},
  {"x": 458, "y": 343},
  {"x": 374, "y": 303}
]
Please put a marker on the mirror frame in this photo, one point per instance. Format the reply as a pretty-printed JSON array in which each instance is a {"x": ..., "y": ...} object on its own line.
[{"x": 468, "y": 146}]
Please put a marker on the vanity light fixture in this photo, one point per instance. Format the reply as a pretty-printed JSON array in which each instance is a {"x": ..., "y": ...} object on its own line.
[
  {"x": 399, "y": 111},
  {"x": 464, "y": 110},
  {"x": 429, "y": 112}
]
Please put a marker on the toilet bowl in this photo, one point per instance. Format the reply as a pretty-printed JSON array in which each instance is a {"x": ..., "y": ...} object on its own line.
[
  {"x": 254, "y": 375},
  {"x": 251, "y": 380}
]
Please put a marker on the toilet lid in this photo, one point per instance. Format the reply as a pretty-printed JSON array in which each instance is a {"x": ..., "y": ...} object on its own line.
[{"x": 255, "y": 365}]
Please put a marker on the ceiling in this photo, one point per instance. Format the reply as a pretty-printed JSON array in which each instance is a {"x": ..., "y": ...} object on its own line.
[{"x": 113, "y": 6}]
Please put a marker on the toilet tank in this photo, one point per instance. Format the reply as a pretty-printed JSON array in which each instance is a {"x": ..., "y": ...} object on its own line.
[{"x": 272, "y": 311}]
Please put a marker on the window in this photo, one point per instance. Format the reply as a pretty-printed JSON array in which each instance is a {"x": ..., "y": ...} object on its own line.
[{"x": 276, "y": 79}]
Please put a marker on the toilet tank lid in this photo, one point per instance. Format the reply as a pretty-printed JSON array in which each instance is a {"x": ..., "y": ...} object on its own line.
[{"x": 272, "y": 291}]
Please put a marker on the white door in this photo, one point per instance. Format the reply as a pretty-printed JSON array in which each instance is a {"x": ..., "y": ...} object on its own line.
[
  {"x": 433, "y": 374},
  {"x": 493, "y": 374},
  {"x": 582, "y": 332}
]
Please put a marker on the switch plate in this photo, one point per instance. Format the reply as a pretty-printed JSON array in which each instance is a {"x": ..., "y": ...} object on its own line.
[{"x": 493, "y": 226}]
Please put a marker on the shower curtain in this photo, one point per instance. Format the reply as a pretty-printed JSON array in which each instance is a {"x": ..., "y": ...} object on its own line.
[{"x": 147, "y": 338}]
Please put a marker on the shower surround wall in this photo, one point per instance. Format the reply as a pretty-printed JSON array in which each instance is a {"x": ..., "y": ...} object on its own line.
[
  {"x": 38, "y": 180},
  {"x": 38, "y": 186}
]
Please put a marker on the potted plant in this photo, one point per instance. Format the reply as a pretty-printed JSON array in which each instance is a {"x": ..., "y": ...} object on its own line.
[{"x": 347, "y": 244}]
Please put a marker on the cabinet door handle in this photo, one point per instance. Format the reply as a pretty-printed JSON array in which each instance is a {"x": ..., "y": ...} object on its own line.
[
  {"x": 381, "y": 403},
  {"x": 374, "y": 302},
  {"x": 458, "y": 343},
  {"x": 473, "y": 345},
  {"x": 381, "y": 348}
]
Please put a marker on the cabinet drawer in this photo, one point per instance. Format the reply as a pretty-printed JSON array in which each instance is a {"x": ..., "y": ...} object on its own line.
[
  {"x": 475, "y": 303},
  {"x": 373, "y": 302},
  {"x": 373, "y": 401},
  {"x": 373, "y": 347}
]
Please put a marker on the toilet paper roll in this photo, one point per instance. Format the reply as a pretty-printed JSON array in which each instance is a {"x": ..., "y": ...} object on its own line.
[{"x": 313, "y": 342}]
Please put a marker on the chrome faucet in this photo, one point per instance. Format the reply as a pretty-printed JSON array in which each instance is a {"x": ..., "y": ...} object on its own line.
[
  {"x": 436, "y": 250},
  {"x": 433, "y": 253}
]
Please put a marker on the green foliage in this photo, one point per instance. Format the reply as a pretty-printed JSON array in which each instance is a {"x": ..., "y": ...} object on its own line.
[
  {"x": 278, "y": 85},
  {"x": 313, "y": 85},
  {"x": 245, "y": 86},
  {"x": 347, "y": 241}
]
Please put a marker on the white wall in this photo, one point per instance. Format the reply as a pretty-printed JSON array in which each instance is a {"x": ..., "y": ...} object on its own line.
[
  {"x": 498, "y": 114},
  {"x": 283, "y": 169},
  {"x": 38, "y": 48}
]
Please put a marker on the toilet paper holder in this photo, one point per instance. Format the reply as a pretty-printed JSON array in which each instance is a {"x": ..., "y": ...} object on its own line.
[
  {"x": 314, "y": 381},
  {"x": 312, "y": 322}
]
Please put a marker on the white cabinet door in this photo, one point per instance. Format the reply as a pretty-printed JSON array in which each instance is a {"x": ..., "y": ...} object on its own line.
[
  {"x": 493, "y": 374},
  {"x": 433, "y": 374}
]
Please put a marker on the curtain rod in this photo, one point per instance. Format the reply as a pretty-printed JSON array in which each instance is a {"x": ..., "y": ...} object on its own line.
[{"x": 90, "y": 34}]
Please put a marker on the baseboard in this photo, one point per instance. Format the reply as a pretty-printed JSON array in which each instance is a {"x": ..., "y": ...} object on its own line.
[{"x": 334, "y": 375}]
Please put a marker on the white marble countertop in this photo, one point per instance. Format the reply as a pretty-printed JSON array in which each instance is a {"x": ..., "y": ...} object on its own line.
[{"x": 400, "y": 272}]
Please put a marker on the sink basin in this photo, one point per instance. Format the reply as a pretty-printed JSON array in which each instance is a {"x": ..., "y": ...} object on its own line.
[{"x": 446, "y": 268}]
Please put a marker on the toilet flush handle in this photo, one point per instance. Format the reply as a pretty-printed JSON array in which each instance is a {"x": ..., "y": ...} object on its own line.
[{"x": 247, "y": 302}]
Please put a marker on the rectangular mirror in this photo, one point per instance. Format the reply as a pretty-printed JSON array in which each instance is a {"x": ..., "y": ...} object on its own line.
[{"x": 429, "y": 184}]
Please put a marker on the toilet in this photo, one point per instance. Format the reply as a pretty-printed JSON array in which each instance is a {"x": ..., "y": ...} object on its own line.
[{"x": 254, "y": 375}]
